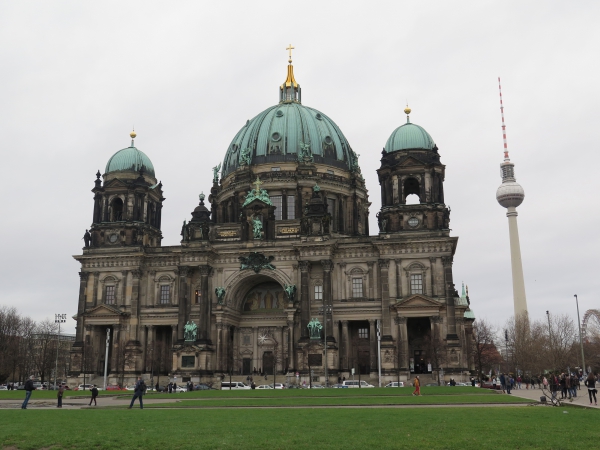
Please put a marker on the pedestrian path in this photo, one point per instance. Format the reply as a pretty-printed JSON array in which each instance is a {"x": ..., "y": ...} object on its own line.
[{"x": 582, "y": 398}]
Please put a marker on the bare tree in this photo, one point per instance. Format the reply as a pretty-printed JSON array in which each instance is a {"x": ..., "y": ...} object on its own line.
[
  {"x": 44, "y": 348},
  {"x": 437, "y": 351},
  {"x": 10, "y": 328},
  {"x": 563, "y": 342},
  {"x": 484, "y": 350},
  {"x": 124, "y": 360}
]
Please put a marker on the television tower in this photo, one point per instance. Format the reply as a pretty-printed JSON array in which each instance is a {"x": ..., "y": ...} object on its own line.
[{"x": 510, "y": 194}]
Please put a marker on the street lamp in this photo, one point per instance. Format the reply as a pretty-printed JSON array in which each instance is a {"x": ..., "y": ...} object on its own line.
[
  {"x": 325, "y": 310},
  {"x": 550, "y": 337},
  {"x": 61, "y": 318},
  {"x": 580, "y": 338},
  {"x": 506, "y": 347}
]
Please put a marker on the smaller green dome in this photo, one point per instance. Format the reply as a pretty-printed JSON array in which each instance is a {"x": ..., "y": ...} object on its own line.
[
  {"x": 409, "y": 137},
  {"x": 131, "y": 159}
]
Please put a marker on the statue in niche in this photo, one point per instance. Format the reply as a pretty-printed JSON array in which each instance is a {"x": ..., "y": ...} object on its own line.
[
  {"x": 185, "y": 231},
  {"x": 257, "y": 227},
  {"x": 290, "y": 291},
  {"x": 314, "y": 328},
  {"x": 190, "y": 331},
  {"x": 220, "y": 292}
]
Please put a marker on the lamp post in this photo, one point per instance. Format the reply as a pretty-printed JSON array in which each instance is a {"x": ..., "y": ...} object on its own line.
[
  {"x": 580, "y": 338},
  {"x": 550, "y": 337},
  {"x": 506, "y": 347},
  {"x": 62, "y": 318},
  {"x": 106, "y": 355},
  {"x": 325, "y": 310}
]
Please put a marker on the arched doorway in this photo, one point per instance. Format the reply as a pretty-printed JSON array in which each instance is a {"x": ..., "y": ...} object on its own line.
[
  {"x": 268, "y": 363},
  {"x": 419, "y": 334}
]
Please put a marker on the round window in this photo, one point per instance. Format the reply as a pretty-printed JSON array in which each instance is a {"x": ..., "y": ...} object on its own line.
[
  {"x": 113, "y": 238},
  {"x": 279, "y": 113},
  {"x": 328, "y": 140},
  {"x": 276, "y": 136},
  {"x": 413, "y": 222},
  {"x": 318, "y": 116}
]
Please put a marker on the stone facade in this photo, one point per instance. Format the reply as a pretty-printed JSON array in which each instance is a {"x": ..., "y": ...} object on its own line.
[{"x": 280, "y": 242}]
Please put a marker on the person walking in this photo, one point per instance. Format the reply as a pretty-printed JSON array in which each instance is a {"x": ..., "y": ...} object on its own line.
[
  {"x": 94, "y": 392},
  {"x": 59, "y": 395},
  {"x": 503, "y": 382},
  {"x": 590, "y": 383},
  {"x": 417, "y": 385},
  {"x": 28, "y": 388},
  {"x": 140, "y": 390}
]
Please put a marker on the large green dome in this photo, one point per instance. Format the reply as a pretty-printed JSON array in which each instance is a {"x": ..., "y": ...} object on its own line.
[
  {"x": 409, "y": 137},
  {"x": 277, "y": 134},
  {"x": 130, "y": 159}
]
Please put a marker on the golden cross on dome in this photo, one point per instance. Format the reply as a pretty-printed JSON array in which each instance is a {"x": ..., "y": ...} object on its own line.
[
  {"x": 257, "y": 183},
  {"x": 290, "y": 48}
]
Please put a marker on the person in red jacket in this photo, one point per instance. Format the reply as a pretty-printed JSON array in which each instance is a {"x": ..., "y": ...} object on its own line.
[{"x": 417, "y": 385}]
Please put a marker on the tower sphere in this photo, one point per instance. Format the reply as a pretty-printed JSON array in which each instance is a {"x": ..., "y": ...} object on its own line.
[{"x": 510, "y": 193}]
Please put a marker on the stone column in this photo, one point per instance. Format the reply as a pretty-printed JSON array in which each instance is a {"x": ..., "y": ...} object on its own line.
[
  {"x": 290, "y": 325},
  {"x": 83, "y": 279},
  {"x": 144, "y": 341},
  {"x": 371, "y": 282},
  {"x": 432, "y": 272},
  {"x": 345, "y": 345},
  {"x": 135, "y": 304},
  {"x": 95, "y": 292},
  {"x": 149, "y": 342},
  {"x": 182, "y": 313},
  {"x": 219, "y": 352},
  {"x": 447, "y": 262},
  {"x": 255, "y": 347},
  {"x": 173, "y": 334},
  {"x": 373, "y": 344},
  {"x": 205, "y": 304},
  {"x": 343, "y": 280},
  {"x": 402, "y": 342},
  {"x": 395, "y": 189},
  {"x": 384, "y": 288},
  {"x": 398, "y": 278},
  {"x": 304, "y": 297},
  {"x": 282, "y": 348},
  {"x": 327, "y": 295},
  {"x": 124, "y": 274}
]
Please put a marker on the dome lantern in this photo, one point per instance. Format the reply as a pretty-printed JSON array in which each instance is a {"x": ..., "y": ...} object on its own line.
[{"x": 290, "y": 90}]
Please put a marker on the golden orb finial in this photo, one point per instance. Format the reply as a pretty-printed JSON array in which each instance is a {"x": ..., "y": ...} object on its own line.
[
  {"x": 407, "y": 110},
  {"x": 132, "y": 135}
]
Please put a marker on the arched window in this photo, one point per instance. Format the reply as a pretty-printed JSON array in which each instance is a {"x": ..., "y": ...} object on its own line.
[
  {"x": 116, "y": 210},
  {"x": 416, "y": 278},
  {"x": 412, "y": 191}
]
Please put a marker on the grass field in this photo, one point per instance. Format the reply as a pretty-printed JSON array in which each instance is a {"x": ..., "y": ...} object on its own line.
[{"x": 427, "y": 428}]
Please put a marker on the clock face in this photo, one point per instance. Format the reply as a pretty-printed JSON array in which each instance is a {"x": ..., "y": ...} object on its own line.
[
  {"x": 413, "y": 222},
  {"x": 113, "y": 238}
]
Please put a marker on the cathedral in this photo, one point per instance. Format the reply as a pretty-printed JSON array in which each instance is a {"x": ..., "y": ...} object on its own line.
[{"x": 277, "y": 271}]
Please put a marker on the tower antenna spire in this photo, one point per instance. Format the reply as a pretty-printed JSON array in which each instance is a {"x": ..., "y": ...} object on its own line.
[{"x": 506, "y": 158}]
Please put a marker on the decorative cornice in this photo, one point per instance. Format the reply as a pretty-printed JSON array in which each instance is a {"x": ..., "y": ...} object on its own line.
[
  {"x": 327, "y": 265},
  {"x": 384, "y": 264},
  {"x": 304, "y": 266}
]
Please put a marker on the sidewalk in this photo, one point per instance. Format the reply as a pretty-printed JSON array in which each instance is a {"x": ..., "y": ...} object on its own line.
[{"x": 582, "y": 398}]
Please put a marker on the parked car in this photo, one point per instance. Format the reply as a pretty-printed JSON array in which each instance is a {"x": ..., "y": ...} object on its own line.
[
  {"x": 316, "y": 386},
  {"x": 278, "y": 386},
  {"x": 432, "y": 384},
  {"x": 3, "y": 388},
  {"x": 355, "y": 384},
  {"x": 181, "y": 389},
  {"x": 113, "y": 387},
  {"x": 264, "y": 386},
  {"x": 395, "y": 384},
  {"x": 233, "y": 385},
  {"x": 339, "y": 386},
  {"x": 203, "y": 387},
  {"x": 87, "y": 387}
]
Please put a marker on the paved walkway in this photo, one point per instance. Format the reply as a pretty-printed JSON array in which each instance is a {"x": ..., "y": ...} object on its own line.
[{"x": 582, "y": 398}]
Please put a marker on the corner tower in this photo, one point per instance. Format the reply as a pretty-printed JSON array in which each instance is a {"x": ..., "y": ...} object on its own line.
[{"x": 127, "y": 203}]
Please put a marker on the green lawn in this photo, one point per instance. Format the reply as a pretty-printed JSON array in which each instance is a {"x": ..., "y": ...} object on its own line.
[
  {"x": 345, "y": 401},
  {"x": 428, "y": 428}
]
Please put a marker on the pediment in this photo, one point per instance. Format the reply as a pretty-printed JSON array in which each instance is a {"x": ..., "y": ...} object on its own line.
[
  {"x": 115, "y": 182},
  {"x": 417, "y": 301},
  {"x": 105, "y": 310},
  {"x": 410, "y": 161}
]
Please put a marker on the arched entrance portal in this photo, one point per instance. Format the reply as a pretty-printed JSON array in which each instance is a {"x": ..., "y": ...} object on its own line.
[
  {"x": 259, "y": 336},
  {"x": 419, "y": 342}
]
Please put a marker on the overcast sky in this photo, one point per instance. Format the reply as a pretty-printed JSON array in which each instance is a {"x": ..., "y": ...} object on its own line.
[{"x": 76, "y": 76}]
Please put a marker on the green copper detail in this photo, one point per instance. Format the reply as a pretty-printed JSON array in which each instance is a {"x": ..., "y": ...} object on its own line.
[
  {"x": 220, "y": 292},
  {"x": 290, "y": 290},
  {"x": 314, "y": 328},
  {"x": 316, "y": 188},
  {"x": 190, "y": 331}
]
